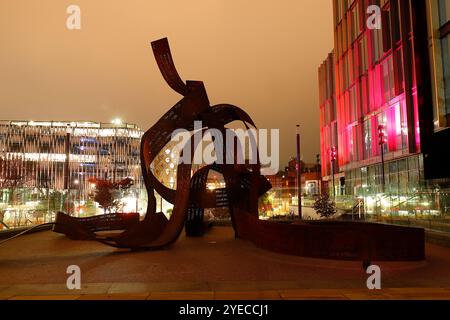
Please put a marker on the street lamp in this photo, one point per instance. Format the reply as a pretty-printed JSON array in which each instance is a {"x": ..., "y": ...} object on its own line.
[
  {"x": 382, "y": 136},
  {"x": 67, "y": 164},
  {"x": 299, "y": 175},
  {"x": 333, "y": 160},
  {"x": 117, "y": 121},
  {"x": 319, "y": 184},
  {"x": 76, "y": 182}
]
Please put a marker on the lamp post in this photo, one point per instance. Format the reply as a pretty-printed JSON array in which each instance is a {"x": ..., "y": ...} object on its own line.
[
  {"x": 67, "y": 166},
  {"x": 161, "y": 199},
  {"x": 77, "y": 184},
  {"x": 333, "y": 160},
  {"x": 299, "y": 175},
  {"x": 319, "y": 184},
  {"x": 382, "y": 141}
]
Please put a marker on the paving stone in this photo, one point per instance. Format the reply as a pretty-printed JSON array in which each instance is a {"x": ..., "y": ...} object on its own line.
[
  {"x": 252, "y": 285},
  {"x": 54, "y": 289},
  {"x": 3, "y": 288},
  {"x": 131, "y": 296},
  {"x": 159, "y": 287},
  {"x": 365, "y": 294},
  {"x": 297, "y": 294},
  {"x": 55, "y": 297},
  {"x": 181, "y": 296},
  {"x": 417, "y": 294},
  {"x": 249, "y": 295},
  {"x": 318, "y": 294}
]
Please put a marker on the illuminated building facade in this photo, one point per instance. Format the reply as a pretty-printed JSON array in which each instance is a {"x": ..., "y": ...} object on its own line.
[
  {"x": 328, "y": 120},
  {"x": 392, "y": 81},
  {"x": 63, "y": 156}
]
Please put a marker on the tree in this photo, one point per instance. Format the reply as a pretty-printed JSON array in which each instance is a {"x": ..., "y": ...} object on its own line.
[
  {"x": 107, "y": 194},
  {"x": 324, "y": 206},
  {"x": 15, "y": 172},
  {"x": 265, "y": 202}
]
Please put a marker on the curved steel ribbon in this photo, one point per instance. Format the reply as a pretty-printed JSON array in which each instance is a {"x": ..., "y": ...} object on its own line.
[{"x": 244, "y": 185}]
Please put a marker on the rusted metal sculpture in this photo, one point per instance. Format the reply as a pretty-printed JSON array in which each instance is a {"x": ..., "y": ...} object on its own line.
[{"x": 244, "y": 186}]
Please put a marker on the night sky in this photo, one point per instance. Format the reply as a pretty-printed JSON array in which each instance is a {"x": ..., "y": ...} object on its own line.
[{"x": 261, "y": 55}]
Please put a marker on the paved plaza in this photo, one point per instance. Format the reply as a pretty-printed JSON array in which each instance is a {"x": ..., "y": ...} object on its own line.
[{"x": 213, "y": 267}]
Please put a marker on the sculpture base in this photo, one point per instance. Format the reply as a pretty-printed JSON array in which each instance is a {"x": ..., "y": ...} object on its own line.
[{"x": 340, "y": 240}]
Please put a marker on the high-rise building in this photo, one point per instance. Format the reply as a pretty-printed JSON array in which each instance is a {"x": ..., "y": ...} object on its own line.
[
  {"x": 385, "y": 98},
  {"x": 438, "y": 14}
]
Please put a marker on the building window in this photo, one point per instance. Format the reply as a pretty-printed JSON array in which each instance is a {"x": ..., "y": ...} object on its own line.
[
  {"x": 363, "y": 63},
  {"x": 367, "y": 139},
  {"x": 386, "y": 29},
  {"x": 382, "y": 120},
  {"x": 377, "y": 45},
  {"x": 364, "y": 181},
  {"x": 446, "y": 64},
  {"x": 393, "y": 177},
  {"x": 338, "y": 7},
  {"x": 356, "y": 142},
  {"x": 403, "y": 176},
  {"x": 354, "y": 104},
  {"x": 350, "y": 146},
  {"x": 398, "y": 72},
  {"x": 364, "y": 94},
  {"x": 444, "y": 11}
]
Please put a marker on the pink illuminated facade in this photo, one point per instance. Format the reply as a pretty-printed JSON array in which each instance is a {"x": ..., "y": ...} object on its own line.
[
  {"x": 328, "y": 119},
  {"x": 382, "y": 78}
]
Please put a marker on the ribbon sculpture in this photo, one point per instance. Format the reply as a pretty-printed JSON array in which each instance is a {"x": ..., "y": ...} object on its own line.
[{"x": 244, "y": 186}]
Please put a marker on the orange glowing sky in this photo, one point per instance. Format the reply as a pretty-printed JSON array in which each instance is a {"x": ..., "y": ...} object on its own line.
[{"x": 261, "y": 55}]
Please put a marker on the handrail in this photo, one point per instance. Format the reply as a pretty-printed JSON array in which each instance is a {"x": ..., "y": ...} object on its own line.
[{"x": 358, "y": 204}]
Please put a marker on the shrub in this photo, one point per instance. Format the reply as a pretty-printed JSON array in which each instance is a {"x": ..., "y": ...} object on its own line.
[{"x": 324, "y": 206}]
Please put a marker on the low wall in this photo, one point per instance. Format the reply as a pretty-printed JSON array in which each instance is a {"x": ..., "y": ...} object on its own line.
[{"x": 339, "y": 240}]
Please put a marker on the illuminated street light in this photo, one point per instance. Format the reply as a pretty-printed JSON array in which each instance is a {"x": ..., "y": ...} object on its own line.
[
  {"x": 319, "y": 179},
  {"x": 333, "y": 160},
  {"x": 299, "y": 175},
  {"x": 382, "y": 136},
  {"x": 117, "y": 121}
]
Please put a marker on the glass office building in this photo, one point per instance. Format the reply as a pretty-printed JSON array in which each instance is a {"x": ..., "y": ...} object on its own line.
[
  {"x": 39, "y": 160},
  {"x": 393, "y": 78}
]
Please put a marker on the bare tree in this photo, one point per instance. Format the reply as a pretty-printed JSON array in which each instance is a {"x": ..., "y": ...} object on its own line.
[{"x": 14, "y": 174}]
